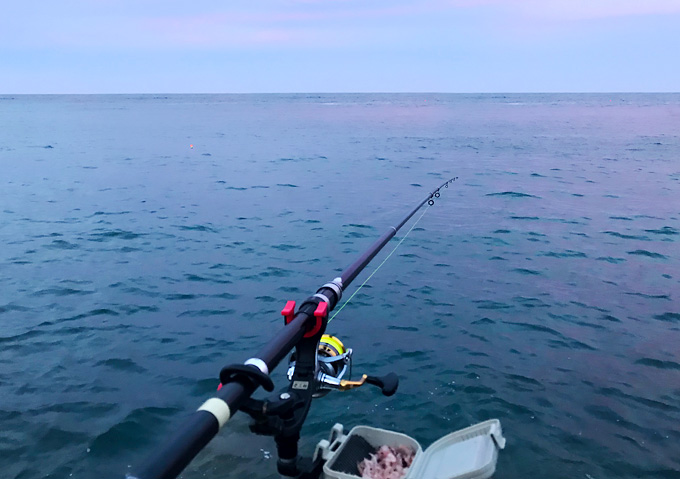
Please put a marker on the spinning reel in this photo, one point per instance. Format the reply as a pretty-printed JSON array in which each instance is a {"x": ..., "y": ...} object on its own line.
[{"x": 333, "y": 362}]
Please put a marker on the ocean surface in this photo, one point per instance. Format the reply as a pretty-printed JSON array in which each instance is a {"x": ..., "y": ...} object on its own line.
[{"x": 148, "y": 241}]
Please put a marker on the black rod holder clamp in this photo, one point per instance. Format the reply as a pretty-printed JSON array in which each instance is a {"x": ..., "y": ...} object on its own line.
[
  {"x": 250, "y": 374},
  {"x": 302, "y": 387}
]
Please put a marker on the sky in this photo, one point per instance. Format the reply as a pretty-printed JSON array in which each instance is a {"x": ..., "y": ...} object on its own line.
[{"x": 281, "y": 46}]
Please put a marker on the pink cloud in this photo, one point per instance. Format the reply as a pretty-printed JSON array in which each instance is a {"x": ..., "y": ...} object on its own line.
[
  {"x": 214, "y": 35},
  {"x": 321, "y": 23},
  {"x": 297, "y": 28},
  {"x": 292, "y": 16},
  {"x": 574, "y": 9}
]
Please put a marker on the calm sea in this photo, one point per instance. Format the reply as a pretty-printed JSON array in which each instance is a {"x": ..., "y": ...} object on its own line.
[{"x": 147, "y": 241}]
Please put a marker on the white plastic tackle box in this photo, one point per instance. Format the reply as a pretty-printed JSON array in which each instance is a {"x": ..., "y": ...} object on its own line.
[{"x": 470, "y": 453}]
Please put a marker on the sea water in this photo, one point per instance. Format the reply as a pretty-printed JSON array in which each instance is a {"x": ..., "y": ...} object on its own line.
[{"x": 146, "y": 241}]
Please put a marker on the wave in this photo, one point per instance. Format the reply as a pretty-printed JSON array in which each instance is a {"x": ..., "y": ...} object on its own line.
[
  {"x": 649, "y": 254},
  {"x": 513, "y": 194}
]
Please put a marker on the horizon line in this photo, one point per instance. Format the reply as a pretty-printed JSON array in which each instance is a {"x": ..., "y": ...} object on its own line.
[{"x": 561, "y": 92}]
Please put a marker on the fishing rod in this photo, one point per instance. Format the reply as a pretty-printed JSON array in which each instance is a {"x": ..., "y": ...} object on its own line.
[{"x": 316, "y": 366}]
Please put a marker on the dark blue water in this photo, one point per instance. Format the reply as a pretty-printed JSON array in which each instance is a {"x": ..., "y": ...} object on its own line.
[{"x": 541, "y": 289}]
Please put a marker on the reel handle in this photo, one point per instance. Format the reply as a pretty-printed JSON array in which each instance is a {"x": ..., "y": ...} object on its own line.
[{"x": 387, "y": 383}]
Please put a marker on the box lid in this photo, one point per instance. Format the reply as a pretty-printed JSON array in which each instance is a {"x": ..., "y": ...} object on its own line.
[{"x": 470, "y": 453}]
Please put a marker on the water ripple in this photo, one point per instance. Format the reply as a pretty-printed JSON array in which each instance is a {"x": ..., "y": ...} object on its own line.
[
  {"x": 657, "y": 363},
  {"x": 649, "y": 254},
  {"x": 666, "y": 230},
  {"x": 668, "y": 317},
  {"x": 625, "y": 236},
  {"x": 513, "y": 194}
]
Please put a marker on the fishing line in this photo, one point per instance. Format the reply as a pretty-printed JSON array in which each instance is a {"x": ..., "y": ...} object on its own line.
[{"x": 379, "y": 266}]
